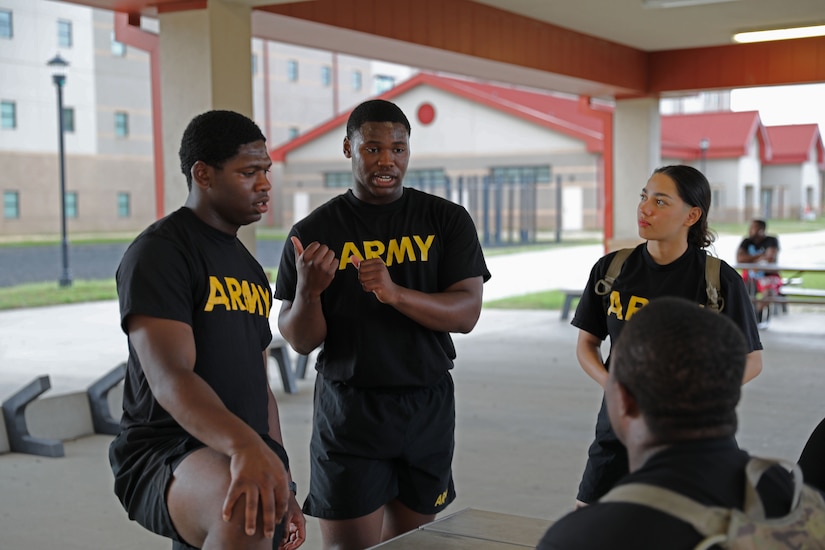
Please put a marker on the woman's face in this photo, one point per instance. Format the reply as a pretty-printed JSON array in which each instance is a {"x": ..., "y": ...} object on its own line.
[{"x": 662, "y": 215}]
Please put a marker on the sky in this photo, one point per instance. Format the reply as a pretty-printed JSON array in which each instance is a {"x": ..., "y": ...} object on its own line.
[{"x": 801, "y": 104}]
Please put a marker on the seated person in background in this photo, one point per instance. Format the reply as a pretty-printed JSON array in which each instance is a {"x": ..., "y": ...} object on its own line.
[
  {"x": 674, "y": 383},
  {"x": 758, "y": 247}
]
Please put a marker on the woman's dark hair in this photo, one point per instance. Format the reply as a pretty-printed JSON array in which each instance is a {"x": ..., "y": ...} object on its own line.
[
  {"x": 694, "y": 189},
  {"x": 376, "y": 110},
  {"x": 214, "y": 137}
]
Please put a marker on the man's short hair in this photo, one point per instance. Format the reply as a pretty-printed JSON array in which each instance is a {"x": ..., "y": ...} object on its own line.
[
  {"x": 214, "y": 137},
  {"x": 761, "y": 224},
  {"x": 684, "y": 365},
  {"x": 375, "y": 110}
]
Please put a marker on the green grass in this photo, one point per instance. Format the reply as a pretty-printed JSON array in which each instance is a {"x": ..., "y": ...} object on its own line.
[
  {"x": 48, "y": 294},
  {"x": 45, "y": 294}
]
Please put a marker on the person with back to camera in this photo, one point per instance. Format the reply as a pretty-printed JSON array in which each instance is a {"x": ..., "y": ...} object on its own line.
[
  {"x": 199, "y": 458},
  {"x": 672, "y": 218},
  {"x": 379, "y": 276},
  {"x": 674, "y": 383},
  {"x": 758, "y": 247}
]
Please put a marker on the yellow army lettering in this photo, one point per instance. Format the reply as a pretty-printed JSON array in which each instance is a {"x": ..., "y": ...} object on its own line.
[
  {"x": 238, "y": 296},
  {"x": 397, "y": 250},
  {"x": 636, "y": 303},
  {"x": 442, "y": 498}
]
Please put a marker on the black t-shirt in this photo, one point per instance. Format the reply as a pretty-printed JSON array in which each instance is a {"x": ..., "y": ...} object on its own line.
[
  {"x": 182, "y": 269},
  {"x": 711, "y": 472},
  {"x": 427, "y": 243},
  {"x": 642, "y": 279}
]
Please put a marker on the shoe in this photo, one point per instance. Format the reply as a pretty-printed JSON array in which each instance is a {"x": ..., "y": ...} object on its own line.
[{"x": 762, "y": 325}]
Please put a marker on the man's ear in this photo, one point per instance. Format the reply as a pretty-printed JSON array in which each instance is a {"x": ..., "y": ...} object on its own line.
[
  {"x": 201, "y": 174},
  {"x": 627, "y": 403},
  {"x": 347, "y": 148}
]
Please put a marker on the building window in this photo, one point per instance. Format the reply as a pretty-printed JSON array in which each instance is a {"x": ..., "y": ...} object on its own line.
[
  {"x": 121, "y": 124},
  {"x": 337, "y": 179},
  {"x": 118, "y": 48},
  {"x": 293, "y": 132},
  {"x": 6, "y": 28},
  {"x": 521, "y": 174},
  {"x": 425, "y": 179},
  {"x": 71, "y": 204},
  {"x": 356, "y": 80},
  {"x": 68, "y": 119},
  {"x": 8, "y": 115},
  {"x": 292, "y": 70},
  {"x": 124, "y": 207},
  {"x": 254, "y": 64},
  {"x": 64, "y": 33},
  {"x": 326, "y": 75},
  {"x": 11, "y": 205},
  {"x": 383, "y": 83}
]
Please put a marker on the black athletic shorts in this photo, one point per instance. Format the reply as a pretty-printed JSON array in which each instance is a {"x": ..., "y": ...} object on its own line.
[
  {"x": 372, "y": 446},
  {"x": 143, "y": 460},
  {"x": 606, "y": 461}
]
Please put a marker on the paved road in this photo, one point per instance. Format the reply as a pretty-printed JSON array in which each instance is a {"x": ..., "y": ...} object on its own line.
[{"x": 42, "y": 263}]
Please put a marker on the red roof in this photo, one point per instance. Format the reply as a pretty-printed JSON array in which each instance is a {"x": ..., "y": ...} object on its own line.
[
  {"x": 728, "y": 134},
  {"x": 545, "y": 109},
  {"x": 792, "y": 144}
]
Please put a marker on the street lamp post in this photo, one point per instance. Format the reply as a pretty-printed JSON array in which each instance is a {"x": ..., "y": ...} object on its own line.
[
  {"x": 704, "y": 145},
  {"x": 59, "y": 80}
]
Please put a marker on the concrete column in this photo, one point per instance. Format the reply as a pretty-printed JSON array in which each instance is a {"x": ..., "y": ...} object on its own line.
[
  {"x": 201, "y": 68},
  {"x": 637, "y": 152}
]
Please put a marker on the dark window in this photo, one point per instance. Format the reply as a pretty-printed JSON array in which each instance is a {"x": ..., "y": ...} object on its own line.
[
  {"x": 121, "y": 124},
  {"x": 337, "y": 179},
  {"x": 293, "y": 132},
  {"x": 11, "y": 205},
  {"x": 356, "y": 80},
  {"x": 8, "y": 115},
  {"x": 326, "y": 75},
  {"x": 6, "y": 28},
  {"x": 383, "y": 83},
  {"x": 292, "y": 70},
  {"x": 64, "y": 33},
  {"x": 124, "y": 207},
  {"x": 68, "y": 119},
  {"x": 71, "y": 204},
  {"x": 521, "y": 174}
]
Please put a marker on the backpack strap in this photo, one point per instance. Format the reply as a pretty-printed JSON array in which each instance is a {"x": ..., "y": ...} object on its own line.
[
  {"x": 713, "y": 267},
  {"x": 707, "y": 520},
  {"x": 754, "y": 470},
  {"x": 604, "y": 285}
]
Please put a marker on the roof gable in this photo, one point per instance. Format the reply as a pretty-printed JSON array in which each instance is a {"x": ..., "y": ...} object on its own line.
[
  {"x": 792, "y": 144},
  {"x": 728, "y": 134}
]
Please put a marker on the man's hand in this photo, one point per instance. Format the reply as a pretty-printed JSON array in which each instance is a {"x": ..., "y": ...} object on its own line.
[
  {"x": 295, "y": 533},
  {"x": 257, "y": 475},
  {"x": 316, "y": 266},
  {"x": 374, "y": 277}
]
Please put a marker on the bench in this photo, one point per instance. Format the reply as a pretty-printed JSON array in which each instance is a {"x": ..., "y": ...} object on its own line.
[
  {"x": 279, "y": 350},
  {"x": 569, "y": 296}
]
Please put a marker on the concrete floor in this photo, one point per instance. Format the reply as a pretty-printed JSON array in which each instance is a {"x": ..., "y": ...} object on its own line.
[{"x": 525, "y": 414}]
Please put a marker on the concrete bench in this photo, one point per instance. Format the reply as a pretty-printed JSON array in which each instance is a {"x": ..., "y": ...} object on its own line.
[
  {"x": 569, "y": 296},
  {"x": 279, "y": 350},
  {"x": 39, "y": 426}
]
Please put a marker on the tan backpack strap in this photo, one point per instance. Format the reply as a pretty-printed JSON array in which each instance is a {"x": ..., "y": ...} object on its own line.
[
  {"x": 707, "y": 520},
  {"x": 604, "y": 285},
  {"x": 755, "y": 469},
  {"x": 713, "y": 267}
]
